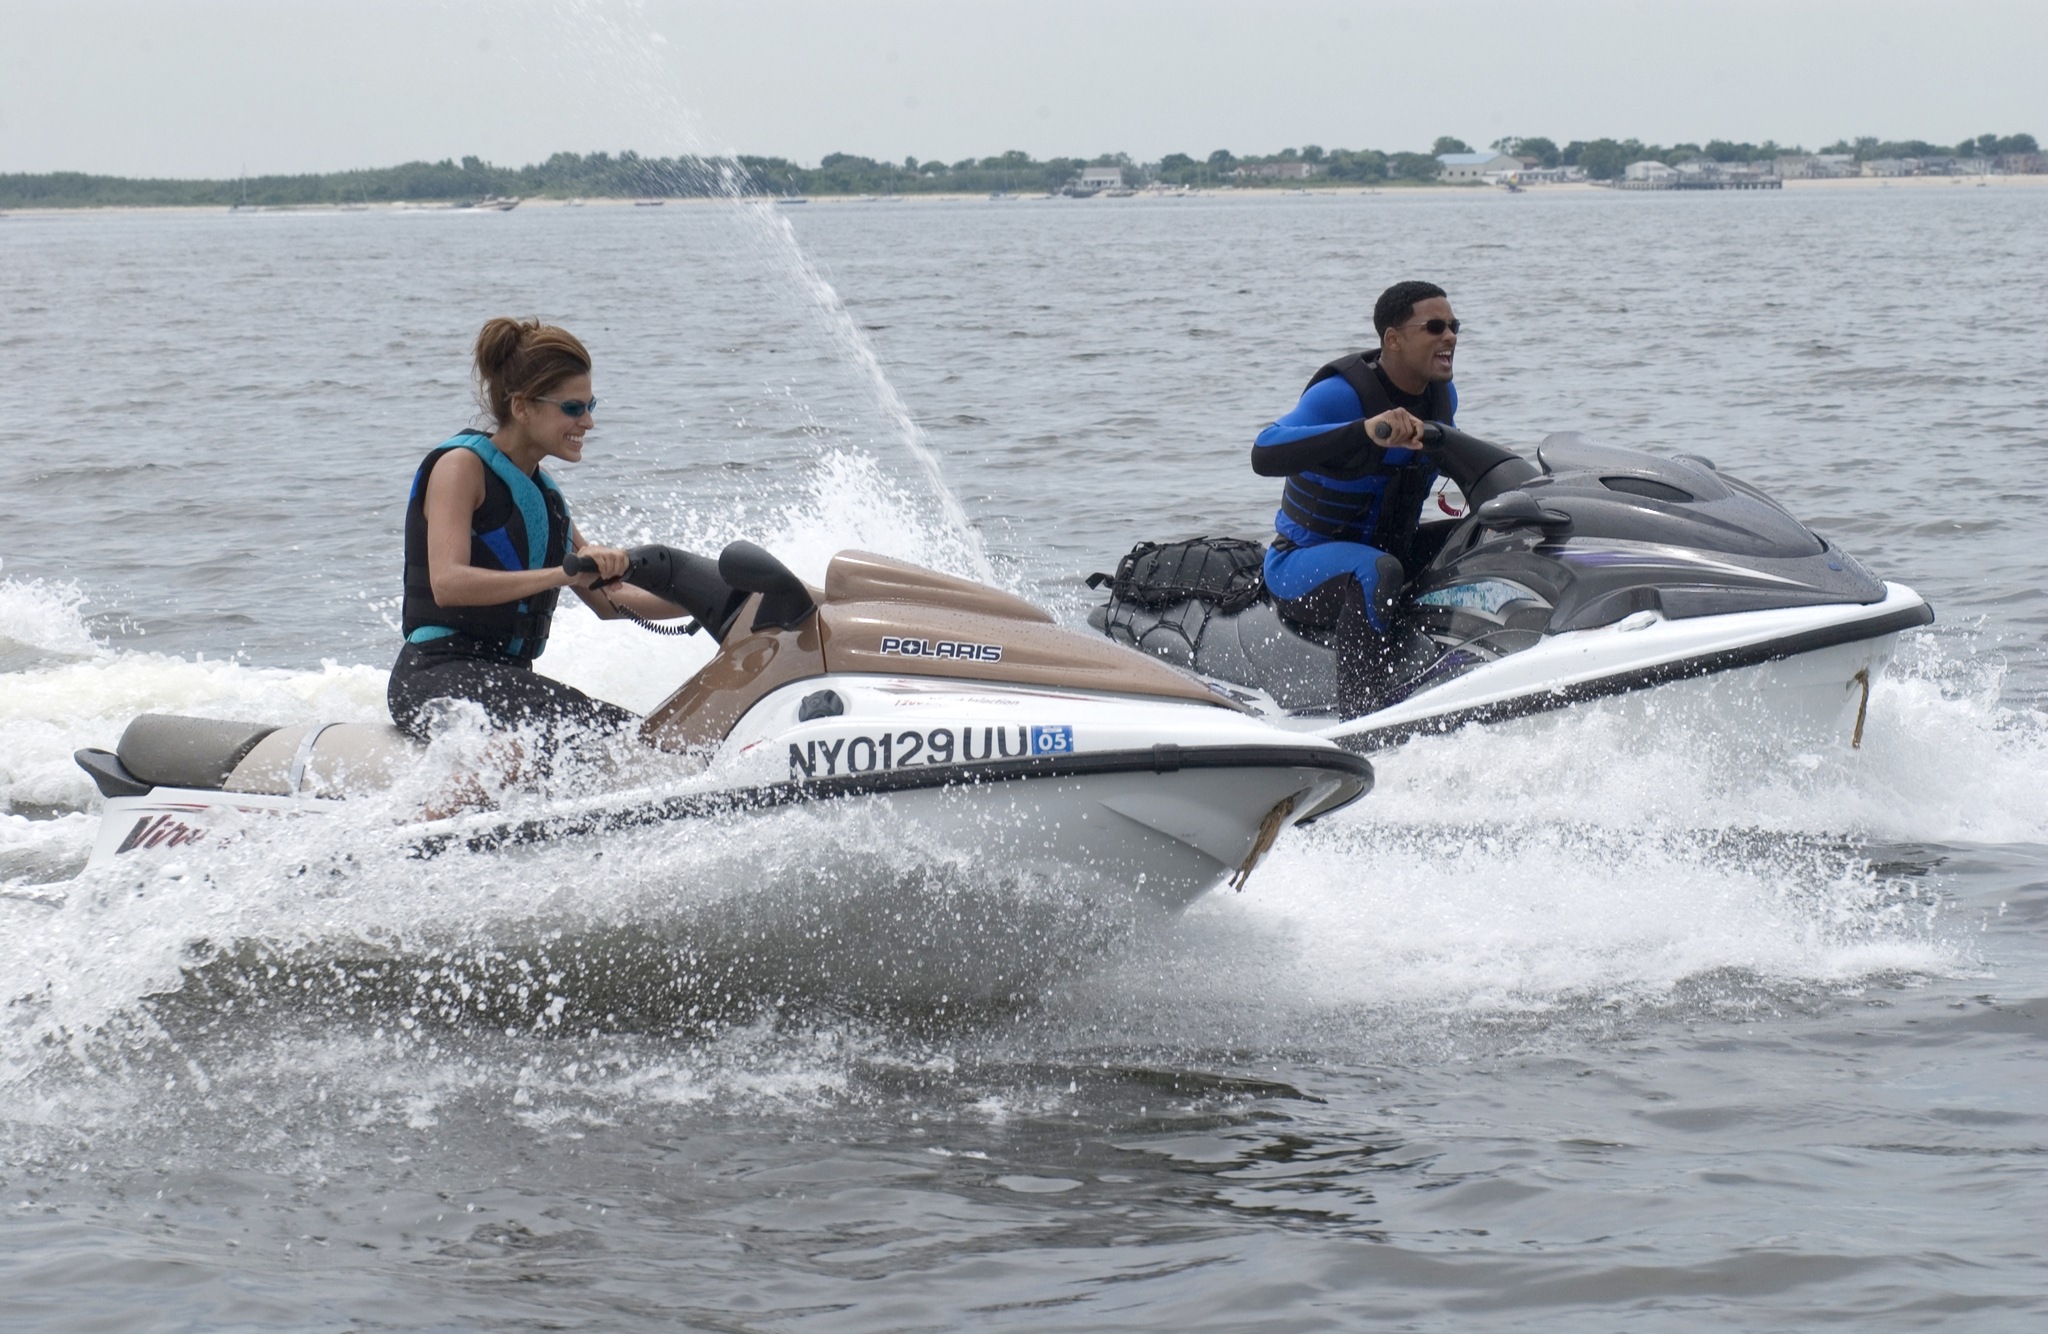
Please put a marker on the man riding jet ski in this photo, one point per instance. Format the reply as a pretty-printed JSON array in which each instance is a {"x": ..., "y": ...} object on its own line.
[
  {"x": 1591, "y": 571},
  {"x": 1355, "y": 484},
  {"x": 963, "y": 709}
]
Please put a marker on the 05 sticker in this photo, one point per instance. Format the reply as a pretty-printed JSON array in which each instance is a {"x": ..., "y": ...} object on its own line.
[{"x": 1056, "y": 740}]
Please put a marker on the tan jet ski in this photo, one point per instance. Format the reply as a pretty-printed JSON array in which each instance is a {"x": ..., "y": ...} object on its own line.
[{"x": 962, "y": 708}]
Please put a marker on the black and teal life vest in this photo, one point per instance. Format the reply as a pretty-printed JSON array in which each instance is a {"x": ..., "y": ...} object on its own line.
[
  {"x": 1378, "y": 501},
  {"x": 523, "y": 524}
]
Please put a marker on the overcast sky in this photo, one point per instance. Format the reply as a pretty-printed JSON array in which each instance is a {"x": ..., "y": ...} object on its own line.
[{"x": 182, "y": 88}]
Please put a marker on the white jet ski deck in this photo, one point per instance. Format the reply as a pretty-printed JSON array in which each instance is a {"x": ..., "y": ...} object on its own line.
[
  {"x": 955, "y": 705},
  {"x": 1589, "y": 572}
]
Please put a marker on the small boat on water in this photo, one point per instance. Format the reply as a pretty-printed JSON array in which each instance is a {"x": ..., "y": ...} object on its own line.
[
  {"x": 1586, "y": 572},
  {"x": 955, "y": 707}
]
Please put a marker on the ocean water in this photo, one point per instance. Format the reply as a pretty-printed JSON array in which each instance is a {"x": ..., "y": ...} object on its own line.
[{"x": 1625, "y": 1018}]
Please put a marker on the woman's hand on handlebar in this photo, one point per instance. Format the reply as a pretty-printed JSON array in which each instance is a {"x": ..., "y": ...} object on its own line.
[
  {"x": 593, "y": 566},
  {"x": 1396, "y": 428}
]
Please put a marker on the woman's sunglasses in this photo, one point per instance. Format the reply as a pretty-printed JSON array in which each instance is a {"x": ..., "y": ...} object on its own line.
[
  {"x": 1435, "y": 328},
  {"x": 579, "y": 407}
]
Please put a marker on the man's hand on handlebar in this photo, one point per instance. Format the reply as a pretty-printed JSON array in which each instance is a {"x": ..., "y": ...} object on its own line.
[
  {"x": 1396, "y": 428},
  {"x": 595, "y": 567}
]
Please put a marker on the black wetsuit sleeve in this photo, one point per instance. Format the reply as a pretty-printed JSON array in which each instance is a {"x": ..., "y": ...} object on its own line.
[{"x": 1329, "y": 452}]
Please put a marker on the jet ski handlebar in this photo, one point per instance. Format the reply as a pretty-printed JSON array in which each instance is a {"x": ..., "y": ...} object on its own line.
[
  {"x": 1480, "y": 468},
  {"x": 690, "y": 581}
]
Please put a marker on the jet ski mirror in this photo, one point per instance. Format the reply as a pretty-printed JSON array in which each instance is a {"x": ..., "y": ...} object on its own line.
[
  {"x": 1515, "y": 509},
  {"x": 785, "y": 602}
]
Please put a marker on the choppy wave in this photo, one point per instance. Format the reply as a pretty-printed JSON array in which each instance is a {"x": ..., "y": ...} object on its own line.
[{"x": 1943, "y": 759}]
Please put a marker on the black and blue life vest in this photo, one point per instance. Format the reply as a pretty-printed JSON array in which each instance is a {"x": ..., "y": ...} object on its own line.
[
  {"x": 1379, "y": 500},
  {"x": 523, "y": 524}
]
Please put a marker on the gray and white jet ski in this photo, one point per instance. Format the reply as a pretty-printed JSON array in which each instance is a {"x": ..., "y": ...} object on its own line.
[
  {"x": 962, "y": 708},
  {"x": 1586, "y": 572}
]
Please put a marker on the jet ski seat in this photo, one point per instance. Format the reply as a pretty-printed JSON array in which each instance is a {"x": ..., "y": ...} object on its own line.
[
  {"x": 329, "y": 760},
  {"x": 166, "y": 750}
]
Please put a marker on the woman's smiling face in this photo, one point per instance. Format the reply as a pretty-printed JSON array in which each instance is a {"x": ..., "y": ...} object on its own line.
[{"x": 546, "y": 425}]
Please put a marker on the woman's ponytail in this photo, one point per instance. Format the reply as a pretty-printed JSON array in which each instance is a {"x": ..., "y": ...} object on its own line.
[{"x": 523, "y": 359}]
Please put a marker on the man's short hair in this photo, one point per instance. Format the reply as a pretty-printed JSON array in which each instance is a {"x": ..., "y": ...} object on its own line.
[{"x": 1397, "y": 303}]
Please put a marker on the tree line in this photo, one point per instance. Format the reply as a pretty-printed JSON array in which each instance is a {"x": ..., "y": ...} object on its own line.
[
  {"x": 1606, "y": 159},
  {"x": 629, "y": 175}
]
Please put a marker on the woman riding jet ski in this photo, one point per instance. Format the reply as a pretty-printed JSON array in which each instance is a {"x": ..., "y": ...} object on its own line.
[
  {"x": 964, "y": 707},
  {"x": 1590, "y": 571},
  {"x": 965, "y": 710}
]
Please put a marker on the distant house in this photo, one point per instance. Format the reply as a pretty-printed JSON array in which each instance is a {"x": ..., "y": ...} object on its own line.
[
  {"x": 1285, "y": 171},
  {"x": 1474, "y": 166},
  {"x": 1892, "y": 166},
  {"x": 1102, "y": 178},
  {"x": 1652, "y": 171},
  {"x": 1817, "y": 166}
]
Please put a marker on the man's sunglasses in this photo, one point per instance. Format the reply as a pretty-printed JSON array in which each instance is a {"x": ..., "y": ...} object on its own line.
[
  {"x": 578, "y": 407},
  {"x": 1435, "y": 328}
]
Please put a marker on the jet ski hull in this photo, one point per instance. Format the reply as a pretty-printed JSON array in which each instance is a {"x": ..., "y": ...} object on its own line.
[
  {"x": 1800, "y": 671},
  {"x": 1167, "y": 823},
  {"x": 1032, "y": 779}
]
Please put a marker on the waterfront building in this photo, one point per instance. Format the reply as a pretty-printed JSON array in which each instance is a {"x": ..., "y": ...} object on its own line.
[
  {"x": 1817, "y": 166},
  {"x": 1102, "y": 178},
  {"x": 1697, "y": 174},
  {"x": 1475, "y": 167},
  {"x": 1285, "y": 171}
]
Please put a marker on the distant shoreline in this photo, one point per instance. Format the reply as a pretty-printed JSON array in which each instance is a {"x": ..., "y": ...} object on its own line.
[{"x": 1851, "y": 183}]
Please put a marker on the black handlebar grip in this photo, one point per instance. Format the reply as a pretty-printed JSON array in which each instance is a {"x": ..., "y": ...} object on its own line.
[
  {"x": 573, "y": 565},
  {"x": 1432, "y": 432}
]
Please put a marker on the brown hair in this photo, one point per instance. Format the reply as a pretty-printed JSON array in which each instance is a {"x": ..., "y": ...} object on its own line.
[{"x": 524, "y": 359}]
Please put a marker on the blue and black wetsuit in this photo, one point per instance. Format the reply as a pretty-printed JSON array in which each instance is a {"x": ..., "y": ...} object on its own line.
[
  {"x": 486, "y": 654},
  {"x": 1348, "y": 513}
]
